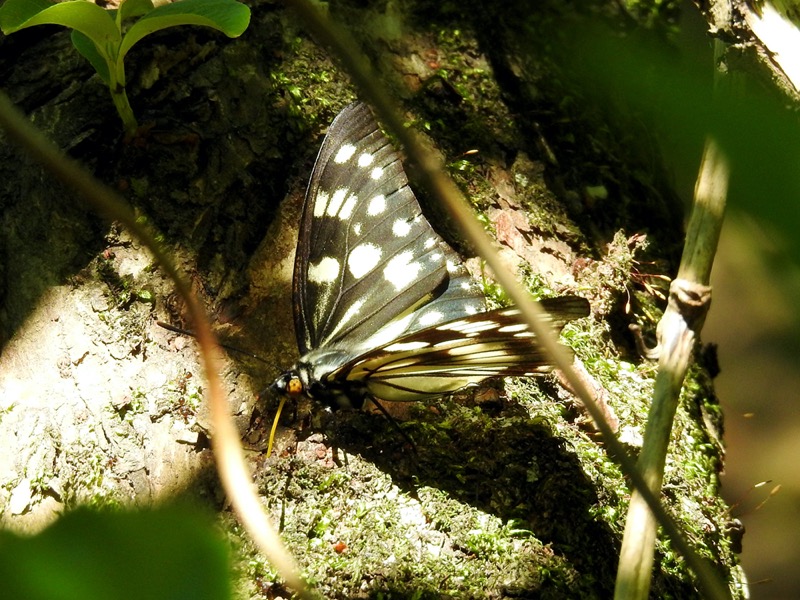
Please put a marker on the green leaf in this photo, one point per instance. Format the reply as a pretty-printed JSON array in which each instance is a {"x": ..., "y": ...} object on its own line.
[
  {"x": 14, "y": 13},
  {"x": 90, "y": 52},
  {"x": 88, "y": 18},
  {"x": 228, "y": 16},
  {"x": 134, "y": 8},
  {"x": 170, "y": 552}
]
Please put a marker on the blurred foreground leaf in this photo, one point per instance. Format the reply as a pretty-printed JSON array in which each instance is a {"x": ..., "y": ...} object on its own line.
[
  {"x": 168, "y": 553},
  {"x": 754, "y": 123}
]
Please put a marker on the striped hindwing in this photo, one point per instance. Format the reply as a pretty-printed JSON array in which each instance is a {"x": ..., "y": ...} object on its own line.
[
  {"x": 444, "y": 358},
  {"x": 369, "y": 267}
]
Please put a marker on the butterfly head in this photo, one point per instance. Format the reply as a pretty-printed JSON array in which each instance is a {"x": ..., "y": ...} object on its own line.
[
  {"x": 288, "y": 384},
  {"x": 310, "y": 377},
  {"x": 298, "y": 381}
]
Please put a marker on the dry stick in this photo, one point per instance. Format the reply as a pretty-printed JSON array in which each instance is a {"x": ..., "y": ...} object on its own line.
[
  {"x": 678, "y": 332},
  {"x": 225, "y": 440},
  {"x": 448, "y": 194}
]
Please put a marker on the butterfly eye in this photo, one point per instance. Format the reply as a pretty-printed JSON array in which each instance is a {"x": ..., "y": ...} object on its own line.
[
  {"x": 294, "y": 387},
  {"x": 288, "y": 384}
]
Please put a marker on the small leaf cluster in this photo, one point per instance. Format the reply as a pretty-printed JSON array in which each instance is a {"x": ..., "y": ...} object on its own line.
[{"x": 104, "y": 37}]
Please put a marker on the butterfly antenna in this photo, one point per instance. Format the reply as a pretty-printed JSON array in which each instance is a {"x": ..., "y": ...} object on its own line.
[
  {"x": 190, "y": 333},
  {"x": 174, "y": 329}
]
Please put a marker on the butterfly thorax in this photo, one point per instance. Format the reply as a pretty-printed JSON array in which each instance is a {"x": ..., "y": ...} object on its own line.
[{"x": 310, "y": 377}]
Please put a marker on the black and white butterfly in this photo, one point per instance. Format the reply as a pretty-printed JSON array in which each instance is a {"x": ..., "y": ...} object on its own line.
[{"x": 383, "y": 307}]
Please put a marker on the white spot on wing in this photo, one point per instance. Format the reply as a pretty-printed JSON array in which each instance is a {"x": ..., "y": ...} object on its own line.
[
  {"x": 387, "y": 333},
  {"x": 401, "y": 227},
  {"x": 365, "y": 160},
  {"x": 403, "y": 347},
  {"x": 325, "y": 271},
  {"x": 320, "y": 203},
  {"x": 429, "y": 243},
  {"x": 377, "y": 205},
  {"x": 451, "y": 342},
  {"x": 351, "y": 312},
  {"x": 430, "y": 318},
  {"x": 477, "y": 353},
  {"x": 468, "y": 350},
  {"x": 336, "y": 201},
  {"x": 479, "y": 326},
  {"x": 363, "y": 259},
  {"x": 344, "y": 154},
  {"x": 436, "y": 257},
  {"x": 452, "y": 326},
  {"x": 376, "y": 173},
  {"x": 513, "y": 328},
  {"x": 401, "y": 271},
  {"x": 347, "y": 207},
  {"x": 470, "y": 310},
  {"x": 467, "y": 327},
  {"x": 357, "y": 228}
]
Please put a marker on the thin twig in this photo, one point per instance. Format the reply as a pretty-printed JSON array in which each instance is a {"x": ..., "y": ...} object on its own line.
[{"x": 678, "y": 332}]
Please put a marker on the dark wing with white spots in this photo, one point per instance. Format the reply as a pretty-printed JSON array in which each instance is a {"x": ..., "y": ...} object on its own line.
[
  {"x": 369, "y": 267},
  {"x": 444, "y": 358}
]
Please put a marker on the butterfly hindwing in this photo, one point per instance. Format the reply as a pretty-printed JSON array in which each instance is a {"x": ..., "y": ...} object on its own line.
[
  {"x": 367, "y": 257},
  {"x": 444, "y": 358}
]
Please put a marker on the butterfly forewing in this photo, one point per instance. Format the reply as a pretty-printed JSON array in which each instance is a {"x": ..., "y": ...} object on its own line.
[{"x": 367, "y": 258}]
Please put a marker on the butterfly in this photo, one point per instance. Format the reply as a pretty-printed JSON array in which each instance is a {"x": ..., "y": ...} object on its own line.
[{"x": 383, "y": 307}]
